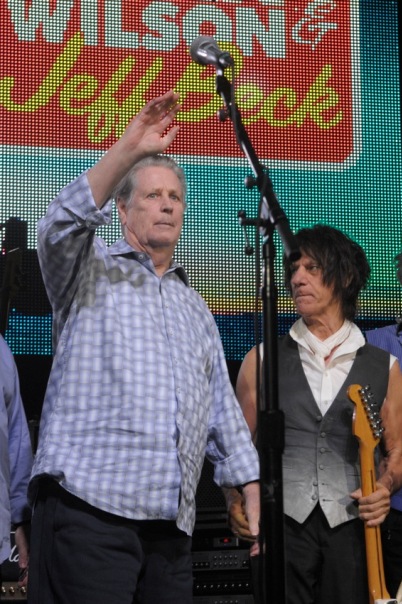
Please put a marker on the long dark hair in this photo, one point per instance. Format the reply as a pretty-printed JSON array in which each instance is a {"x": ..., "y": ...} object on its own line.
[{"x": 343, "y": 263}]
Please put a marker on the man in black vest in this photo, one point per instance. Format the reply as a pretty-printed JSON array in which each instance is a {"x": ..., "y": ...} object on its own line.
[{"x": 322, "y": 355}]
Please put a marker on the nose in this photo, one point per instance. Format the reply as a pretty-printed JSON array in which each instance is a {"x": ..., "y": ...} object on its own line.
[
  {"x": 298, "y": 276},
  {"x": 167, "y": 204}
]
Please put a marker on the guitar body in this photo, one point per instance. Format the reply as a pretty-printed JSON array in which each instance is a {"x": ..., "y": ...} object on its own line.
[{"x": 367, "y": 428}]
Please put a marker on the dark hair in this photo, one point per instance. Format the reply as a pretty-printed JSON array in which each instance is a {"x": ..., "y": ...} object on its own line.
[{"x": 343, "y": 263}]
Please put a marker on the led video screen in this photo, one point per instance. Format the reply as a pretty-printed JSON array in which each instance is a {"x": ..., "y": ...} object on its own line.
[{"x": 317, "y": 85}]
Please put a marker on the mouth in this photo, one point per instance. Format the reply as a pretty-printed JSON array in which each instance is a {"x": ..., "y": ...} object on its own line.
[{"x": 299, "y": 295}]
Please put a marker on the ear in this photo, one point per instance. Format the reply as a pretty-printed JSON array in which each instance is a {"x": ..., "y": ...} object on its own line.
[{"x": 121, "y": 208}]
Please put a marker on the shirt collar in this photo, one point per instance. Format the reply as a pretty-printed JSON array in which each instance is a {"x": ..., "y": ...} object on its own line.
[
  {"x": 122, "y": 248},
  {"x": 354, "y": 341}
]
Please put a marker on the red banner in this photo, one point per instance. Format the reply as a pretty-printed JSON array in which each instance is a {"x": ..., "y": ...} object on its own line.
[{"x": 73, "y": 73}]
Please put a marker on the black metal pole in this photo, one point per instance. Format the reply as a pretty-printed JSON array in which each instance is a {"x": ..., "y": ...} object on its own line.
[{"x": 270, "y": 420}]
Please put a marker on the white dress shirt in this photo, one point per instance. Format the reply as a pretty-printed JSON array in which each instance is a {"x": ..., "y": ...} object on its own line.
[{"x": 326, "y": 377}]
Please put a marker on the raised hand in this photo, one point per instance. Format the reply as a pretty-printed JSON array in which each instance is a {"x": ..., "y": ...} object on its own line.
[{"x": 143, "y": 136}]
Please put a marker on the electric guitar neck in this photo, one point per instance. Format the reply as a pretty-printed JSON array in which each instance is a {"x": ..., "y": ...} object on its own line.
[{"x": 367, "y": 428}]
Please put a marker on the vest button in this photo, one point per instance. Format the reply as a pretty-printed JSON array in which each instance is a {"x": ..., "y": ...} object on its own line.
[
  {"x": 318, "y": 418},
  {"x": 322, "y": 450},
  {"x": 314, "y": 497},
  {"x": 323, "y": 434},
  {"x": 321, "y": 467}
]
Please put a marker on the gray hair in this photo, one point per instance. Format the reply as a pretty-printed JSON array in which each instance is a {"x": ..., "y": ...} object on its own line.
[{"x": 128, "y": 184}]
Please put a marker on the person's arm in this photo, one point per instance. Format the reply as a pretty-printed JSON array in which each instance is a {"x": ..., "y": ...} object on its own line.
[
  {"x": 142, "y": 137},
  {"x": 19, "y": 455},
  {"x": 375, "y": 507},
  {"x": 22, "y": 543},
  {"x": 391, "y": 416},
  {"x": 19, "y": 451},
  {"x": 246, "y": 390},
  {"x": 236, "y": 502},
  {"x": 67, "y": 231}
]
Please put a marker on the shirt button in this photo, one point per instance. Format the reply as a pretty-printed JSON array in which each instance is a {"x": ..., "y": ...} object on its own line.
[{"x": 321, "y": 467}]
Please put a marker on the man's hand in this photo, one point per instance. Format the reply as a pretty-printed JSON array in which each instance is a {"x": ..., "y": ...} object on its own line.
[
  {"x": 244, "y": 511},
  {"x": 143, "y": 136},
  {"x": 22, "y": 543},
  {"x": 373, "y": 508}
]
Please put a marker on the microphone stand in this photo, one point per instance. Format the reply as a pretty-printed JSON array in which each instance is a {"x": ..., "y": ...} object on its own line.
[{"x": 270, "y": 419}]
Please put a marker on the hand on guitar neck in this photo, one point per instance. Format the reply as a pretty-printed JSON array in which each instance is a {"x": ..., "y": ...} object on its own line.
[{"x": 367, "y": 428}]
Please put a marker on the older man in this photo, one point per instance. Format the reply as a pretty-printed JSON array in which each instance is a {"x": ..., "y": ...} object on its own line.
[
  {"x": 139, "y": 389},
  {"x": 322, "y": 355}
]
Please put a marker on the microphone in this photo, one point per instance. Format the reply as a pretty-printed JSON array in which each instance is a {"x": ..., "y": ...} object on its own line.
[{"x": 205, "y": 51}]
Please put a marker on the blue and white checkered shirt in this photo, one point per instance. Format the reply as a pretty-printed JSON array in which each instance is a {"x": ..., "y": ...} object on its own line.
[
  {"x": 139, "y": 389},
  {"x": 15, "y": 451}
]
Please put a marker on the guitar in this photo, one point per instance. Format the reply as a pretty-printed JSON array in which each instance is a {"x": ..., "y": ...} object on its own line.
[{"x": 367, "y": 428}]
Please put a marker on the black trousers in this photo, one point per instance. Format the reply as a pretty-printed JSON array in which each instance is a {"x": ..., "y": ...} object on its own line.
[
  {"x": 323, "y": 565},
  {"x": 82, "y": 555},
  {"x": 391, "y": 532}
]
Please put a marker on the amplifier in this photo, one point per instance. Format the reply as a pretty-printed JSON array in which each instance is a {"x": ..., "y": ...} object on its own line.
[
  {"x": 221, "y": 560},
  {"x": 10, "y": 592},
  {"x": 235, "y": 599},
  {"x": 221, "y": 569},
  {"x": 222, "y": 584}
]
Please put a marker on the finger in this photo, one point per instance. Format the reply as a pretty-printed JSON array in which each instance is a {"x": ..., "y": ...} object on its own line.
[
  {"x": 244, "y": 535},
  {"x": 356, "y": 494},
  {"x": 376, "y": 521},
  {"x": 23, "y": 577},
  {"x": 169, "y": 137},
  {"x": 164, "y": 105},
  {"x": 168, "y": 116}
]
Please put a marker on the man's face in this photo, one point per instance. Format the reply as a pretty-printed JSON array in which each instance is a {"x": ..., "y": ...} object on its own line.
[
  {"x": 154, "y": 217},
  {"x": 311, "y": 297}
]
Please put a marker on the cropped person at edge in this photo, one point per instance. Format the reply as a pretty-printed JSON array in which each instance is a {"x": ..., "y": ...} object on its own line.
[
  {"x": 389, "y": 338},
  {"x": 15, "y": 465}
]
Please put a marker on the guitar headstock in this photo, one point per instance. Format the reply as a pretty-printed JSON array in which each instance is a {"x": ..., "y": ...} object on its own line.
[{"x": 366, "y": 417}]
